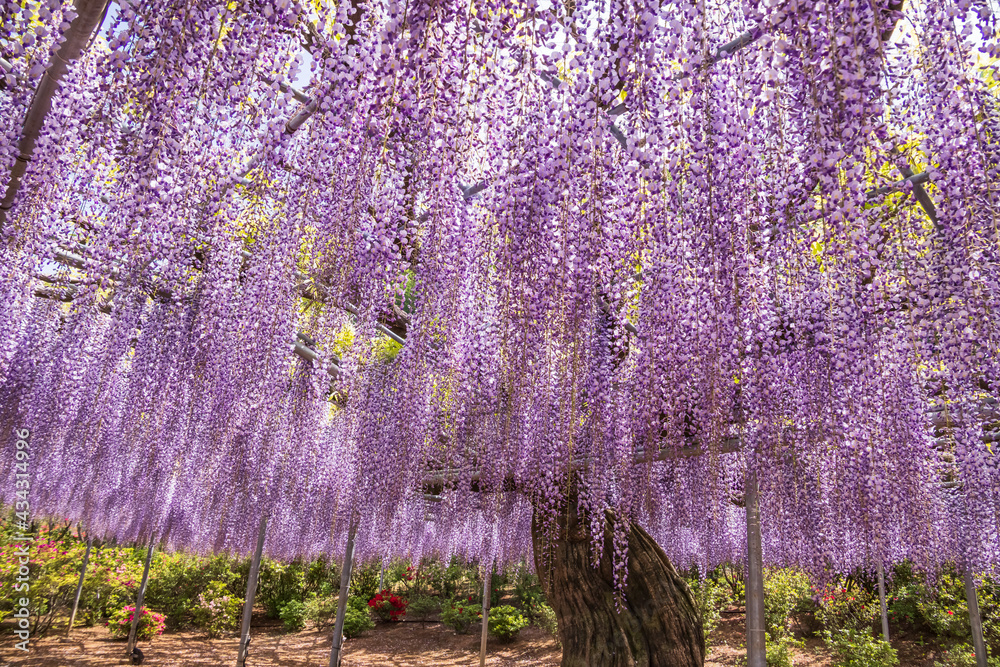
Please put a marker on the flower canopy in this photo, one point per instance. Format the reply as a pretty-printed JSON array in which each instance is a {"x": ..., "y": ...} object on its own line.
[{"x": 645, "y": 246}]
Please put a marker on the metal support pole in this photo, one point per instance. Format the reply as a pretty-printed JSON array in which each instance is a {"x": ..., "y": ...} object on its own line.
[
  {"x": 381, "y": 577},
  {"x": 486, "y": 617},
  {"x": 139, "y": 597},
  {"x": 756, "y": 651},
  {"x": 345, "y": 584},
  {"x": 975, "y": 620},
  {"x": 241, "y": 656},
  {"x": 79, "y": 585},
  {"x": 881, "y": 601}
]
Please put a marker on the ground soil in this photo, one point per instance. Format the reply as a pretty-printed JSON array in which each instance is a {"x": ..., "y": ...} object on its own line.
[{"x": 407, "y": 644}]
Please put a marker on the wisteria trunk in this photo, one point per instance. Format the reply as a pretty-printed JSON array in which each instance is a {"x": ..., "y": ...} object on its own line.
[{"x": 658, "y": 623}]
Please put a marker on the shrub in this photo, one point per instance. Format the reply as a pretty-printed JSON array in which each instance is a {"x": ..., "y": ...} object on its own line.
[
  {"x": 293, "y": 615},
  {"x": 150, "y": 623},
  {"x": 443, "y": 578},
  {"x": 776, "y": 651},
  {"x": 388, "y": 607},
  {"x": 545, "y": 618},
  {"x": 903, "y": 606},
  {"x": 322, "y": 579},
  {"x": 505, "y": 622},
  {"x": 280, "y": 583},
  {"x": 858, "y": 648},
  {"x": 459, "y": 615},
  {"x": 785, "y": 591},
  {"x": 941, "y": 607},
  {"x": 963, "y": 655},
  {"x": 321, "y": 610},
  {"x": 217, "y": 610},
  {"x": 423, "y": 606},
  {"x": 528, "y": 598},
  {"x": 357, "y": 620},
  {"x": 176, "y": 580},
  {"x": 732, "y": 576},
  {"x": 55, "y": 567},
  {"x": 709, "y": 598},
  {"x": 944, "y": 610},
  {"x": 364, "y": 581},
  {"x": 847, "y": 607}
]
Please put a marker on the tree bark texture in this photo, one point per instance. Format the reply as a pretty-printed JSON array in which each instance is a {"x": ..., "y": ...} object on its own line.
[{"x": 658, "y": 624}]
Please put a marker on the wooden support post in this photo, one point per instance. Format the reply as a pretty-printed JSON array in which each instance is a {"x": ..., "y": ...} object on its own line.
[
  {"x": 381, "y": 577},
  {"x": 881, "y": 602},
  {"x": 756, "y": 650},
  {"x": 486, "y": 617},
  {"x": 138, "y": 598},
  {"x": 975, "y": 620},
  {"x": 241, "y": 656},
  {"x": 79, "y": 585},
  {"x": 345, "y": 585}
]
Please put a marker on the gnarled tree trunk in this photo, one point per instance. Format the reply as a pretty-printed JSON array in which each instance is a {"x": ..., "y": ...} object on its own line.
[{"x": 658, "y": 625}]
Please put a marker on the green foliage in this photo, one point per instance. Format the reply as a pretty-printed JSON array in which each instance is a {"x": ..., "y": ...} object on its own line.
[
  {"x": 113, "y": 575},
  {"x": 55, "y": 557},
  {"x": 498, "y": 582},
  {"x": 445, "y": 579},
  {"x": 528, "y": 592},
  {"x": 398, "y": 571},
  {"x": 176, "y": 581},
  {"x": 343, "y": 341},
  {"x": 732, "y": 576},
  {"x": 505, "y": 622},
  {"x": 963, "y": 655},
  {"x": 903, "y": 605},
  {"x": 293, "y": 615},
  {"x": 777, "y": 652},
  {"x": 279, "y": 584},
  {"x": 989, "y": 610},
  {"x": 847, "y": 605},
  {"x": 422, "y": 607},
  {"x": 459, "y": 615},
  {"x": 217, "y": 610},
  {"x": 545, "y": 618},
  {"x": 385, "y": 349},
  {"x": 944, "y": 610},
  {"x": 53, "y": 572},
  {"x": 785, "y": 591},
  {"x": 357, "y": 619},
  {"x": 322, "y": 610},
  {"x": 709, "y": 598},
  {"x": 150, "y": 623},
  {"x": 364, "y": 581},
  {"x": 940, "y": 606},
  {"x": 320, "y": 578},
  {"x": 858, "y": 648}
]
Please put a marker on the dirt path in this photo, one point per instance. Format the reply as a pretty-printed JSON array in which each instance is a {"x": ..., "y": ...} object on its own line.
[
  {"x": 391, "y": 645},
  {"x": 408, "y": 644}
]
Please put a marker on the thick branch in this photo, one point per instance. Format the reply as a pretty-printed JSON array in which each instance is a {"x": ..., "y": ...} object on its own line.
[{"x": 89, "y": 13}]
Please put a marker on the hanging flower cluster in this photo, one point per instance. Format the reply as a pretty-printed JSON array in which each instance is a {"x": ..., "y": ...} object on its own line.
[{"x": 635, "y": 251}]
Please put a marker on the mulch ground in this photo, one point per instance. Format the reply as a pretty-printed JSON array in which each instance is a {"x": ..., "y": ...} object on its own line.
[{"x": 407, "y": 644}]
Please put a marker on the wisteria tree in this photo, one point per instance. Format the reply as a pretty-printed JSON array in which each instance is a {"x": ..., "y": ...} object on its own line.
[{"x": 510, "y": 277}]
